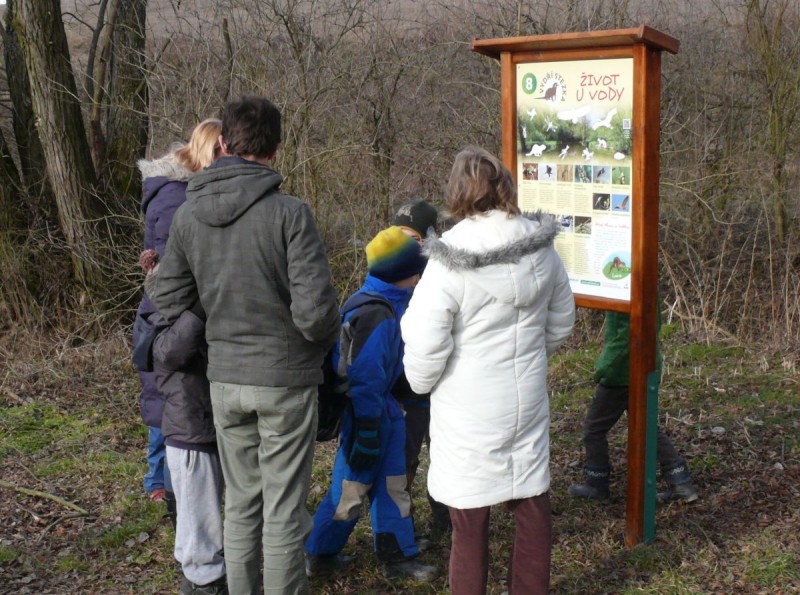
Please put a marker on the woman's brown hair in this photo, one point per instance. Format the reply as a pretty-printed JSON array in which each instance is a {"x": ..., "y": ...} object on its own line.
[
  {"x": 203, "y": 147},
  {"x": 479, "y": 183}
]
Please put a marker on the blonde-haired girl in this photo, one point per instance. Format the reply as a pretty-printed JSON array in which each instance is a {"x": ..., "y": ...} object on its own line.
[{"x": 164, "y": 191}]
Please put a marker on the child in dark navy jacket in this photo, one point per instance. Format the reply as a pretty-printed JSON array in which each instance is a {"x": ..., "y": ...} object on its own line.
[
  {"x": 370, "y": 463},
  {"x": 416, "y": 219},
  {"x": 179, "y": 365}
]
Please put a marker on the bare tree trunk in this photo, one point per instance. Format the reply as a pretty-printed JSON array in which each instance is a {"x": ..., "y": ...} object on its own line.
[
  {"x": 100, "y": 54},
  {"x": 777, "y": 52},
  {"x": 127, "y": 118},
  {"x": 61, "y": 132},
  {"x": 11, "y": 214},
  {"x": 36, "y": 186}
]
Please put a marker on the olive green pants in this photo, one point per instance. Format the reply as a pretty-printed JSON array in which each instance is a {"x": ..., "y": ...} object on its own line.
[{"x": 266, "y": 446}]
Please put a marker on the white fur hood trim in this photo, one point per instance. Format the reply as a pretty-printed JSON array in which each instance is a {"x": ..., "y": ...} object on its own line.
[{"x": 166, "y": 166}]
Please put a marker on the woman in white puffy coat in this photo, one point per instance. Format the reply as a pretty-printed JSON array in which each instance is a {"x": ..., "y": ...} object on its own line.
[{"x": 493, "y": 304}]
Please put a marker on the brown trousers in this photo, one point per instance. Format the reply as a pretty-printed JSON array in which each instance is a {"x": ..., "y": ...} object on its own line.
[{"x": 529, "y": 570}]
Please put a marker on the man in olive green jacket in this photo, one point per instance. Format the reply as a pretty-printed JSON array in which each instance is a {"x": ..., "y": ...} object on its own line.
[
  {"x": 255, "y": 260},
  {"x": 609, "y": 403}
]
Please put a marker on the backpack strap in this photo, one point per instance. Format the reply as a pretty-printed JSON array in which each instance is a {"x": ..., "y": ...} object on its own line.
[
  {"x": 332, "y": 397},
  {"x": 363, "y": 298},
  {"x": 346, "y": 337}
]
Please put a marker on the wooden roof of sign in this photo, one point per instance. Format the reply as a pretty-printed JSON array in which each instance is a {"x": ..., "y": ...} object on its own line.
[{"x": 589, "y": 39}]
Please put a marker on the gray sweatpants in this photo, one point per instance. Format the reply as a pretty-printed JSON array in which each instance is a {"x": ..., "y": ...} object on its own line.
[{"x": 197, "y": 481}]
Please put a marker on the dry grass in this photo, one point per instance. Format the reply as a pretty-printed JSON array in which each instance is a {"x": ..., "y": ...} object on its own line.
[{"x": 69, "y": 427}]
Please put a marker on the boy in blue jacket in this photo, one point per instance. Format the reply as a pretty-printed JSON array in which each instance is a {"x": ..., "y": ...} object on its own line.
[{"x": 370, "y": 462}]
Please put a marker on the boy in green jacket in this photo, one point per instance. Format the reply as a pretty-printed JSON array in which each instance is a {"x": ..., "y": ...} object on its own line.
[{"x": 610, "y": 401}]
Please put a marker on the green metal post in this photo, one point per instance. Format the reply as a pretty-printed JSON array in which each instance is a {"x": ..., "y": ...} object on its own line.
[{"x": 649, "y": 528}]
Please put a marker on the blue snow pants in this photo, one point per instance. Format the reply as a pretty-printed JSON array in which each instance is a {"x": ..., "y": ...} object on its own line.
[{"x": 384, "y": 485}]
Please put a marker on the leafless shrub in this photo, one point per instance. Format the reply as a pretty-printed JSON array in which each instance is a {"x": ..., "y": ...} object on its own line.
[{"x": 377, "y": 97}]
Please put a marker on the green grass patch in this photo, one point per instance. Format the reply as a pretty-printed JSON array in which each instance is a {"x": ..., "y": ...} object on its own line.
[
  {"x": 646, "y": 559},
  {"x": 31, "y": 428},
  {"x": 137, "y": 516},
  {"x": 670, "y": 332},
  {"x": 8, "y": 554},
  {"x": 71, "y": 562},
  {"x": 669, "y": 582},
  {"x": 773, "y": 397},
  {"x": 107, "y": 467},
  {"x": 767, "y": 561},
  {"x": 692, "y": 353},
  {"x": 706, "y": 462}
]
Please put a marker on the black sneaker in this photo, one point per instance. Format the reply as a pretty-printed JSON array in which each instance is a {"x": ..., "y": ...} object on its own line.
[
  {"x": 682, "y": 491},
  {"x": 326, "y": 565},
  {"x": 410, "y": 569},
  {"x": 590, "y": 492},
  {"x": 217, "y": 587}
]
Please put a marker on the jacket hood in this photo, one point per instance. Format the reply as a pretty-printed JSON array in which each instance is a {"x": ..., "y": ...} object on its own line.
[
  {"x": 223, "y": 192},
  {"x": 497, "y": 253},
  {"x": 163, "y": 167},
  {"x": 157, "y": 173}
]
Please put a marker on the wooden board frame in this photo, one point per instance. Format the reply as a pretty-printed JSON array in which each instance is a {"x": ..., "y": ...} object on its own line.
[{"x": 644, "y": 45}]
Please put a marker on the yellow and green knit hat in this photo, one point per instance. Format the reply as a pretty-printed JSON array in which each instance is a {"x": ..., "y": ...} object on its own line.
[{"x": 392, "y": 256}]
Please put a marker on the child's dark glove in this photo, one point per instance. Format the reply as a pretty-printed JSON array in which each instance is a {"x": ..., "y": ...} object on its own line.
[{"x": 366, "y": 447}]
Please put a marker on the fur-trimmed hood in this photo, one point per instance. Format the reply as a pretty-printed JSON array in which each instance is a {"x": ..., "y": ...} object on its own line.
[
  {"x": 164, "y": 167},
  {"x": 157, "y": 173},
  {"x": 455, "y": 258},
  {"x": 497, "y": 252}
]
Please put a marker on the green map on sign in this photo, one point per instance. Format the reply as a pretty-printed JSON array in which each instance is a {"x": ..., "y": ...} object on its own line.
[{"x": 616, "y": 271}]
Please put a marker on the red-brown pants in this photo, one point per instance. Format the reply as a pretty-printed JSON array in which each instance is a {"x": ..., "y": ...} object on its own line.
[{"x": 529, "y": 570}]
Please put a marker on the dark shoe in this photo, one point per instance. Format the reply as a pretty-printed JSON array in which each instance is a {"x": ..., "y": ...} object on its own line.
[
  {"x": 595, "y": 486},
  {"x": 325, "y": 565},
  {"x": 680, "y": 485},
  {"x": 410, "y": 569},
  {"x": 218, "y": 587},
  {"x": 187, "y": 588},
  {"x": 683, "y": 491},
  {"x": 580, "y": 490}
]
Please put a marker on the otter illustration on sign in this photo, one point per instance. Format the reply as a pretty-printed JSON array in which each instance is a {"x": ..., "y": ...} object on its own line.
[{"x": 550, "y": 92}]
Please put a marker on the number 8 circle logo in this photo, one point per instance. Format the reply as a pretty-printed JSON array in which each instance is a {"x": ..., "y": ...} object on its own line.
[{"x": 529, "y": 83}]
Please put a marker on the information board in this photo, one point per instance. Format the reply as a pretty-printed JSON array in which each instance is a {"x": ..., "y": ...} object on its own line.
[
  {"x": 580, "y": 117},
  {"x": 574, "y": 148}
]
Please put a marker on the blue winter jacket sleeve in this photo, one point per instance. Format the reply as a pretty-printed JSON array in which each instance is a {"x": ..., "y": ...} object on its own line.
[
  {"x": 373, "y": 354},
  {"x": 175, "y": 288},
  {"x": 159, "y": 214}
]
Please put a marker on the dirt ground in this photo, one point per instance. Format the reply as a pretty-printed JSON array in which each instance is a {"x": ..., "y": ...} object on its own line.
[{"x": 73, "y": 518}]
